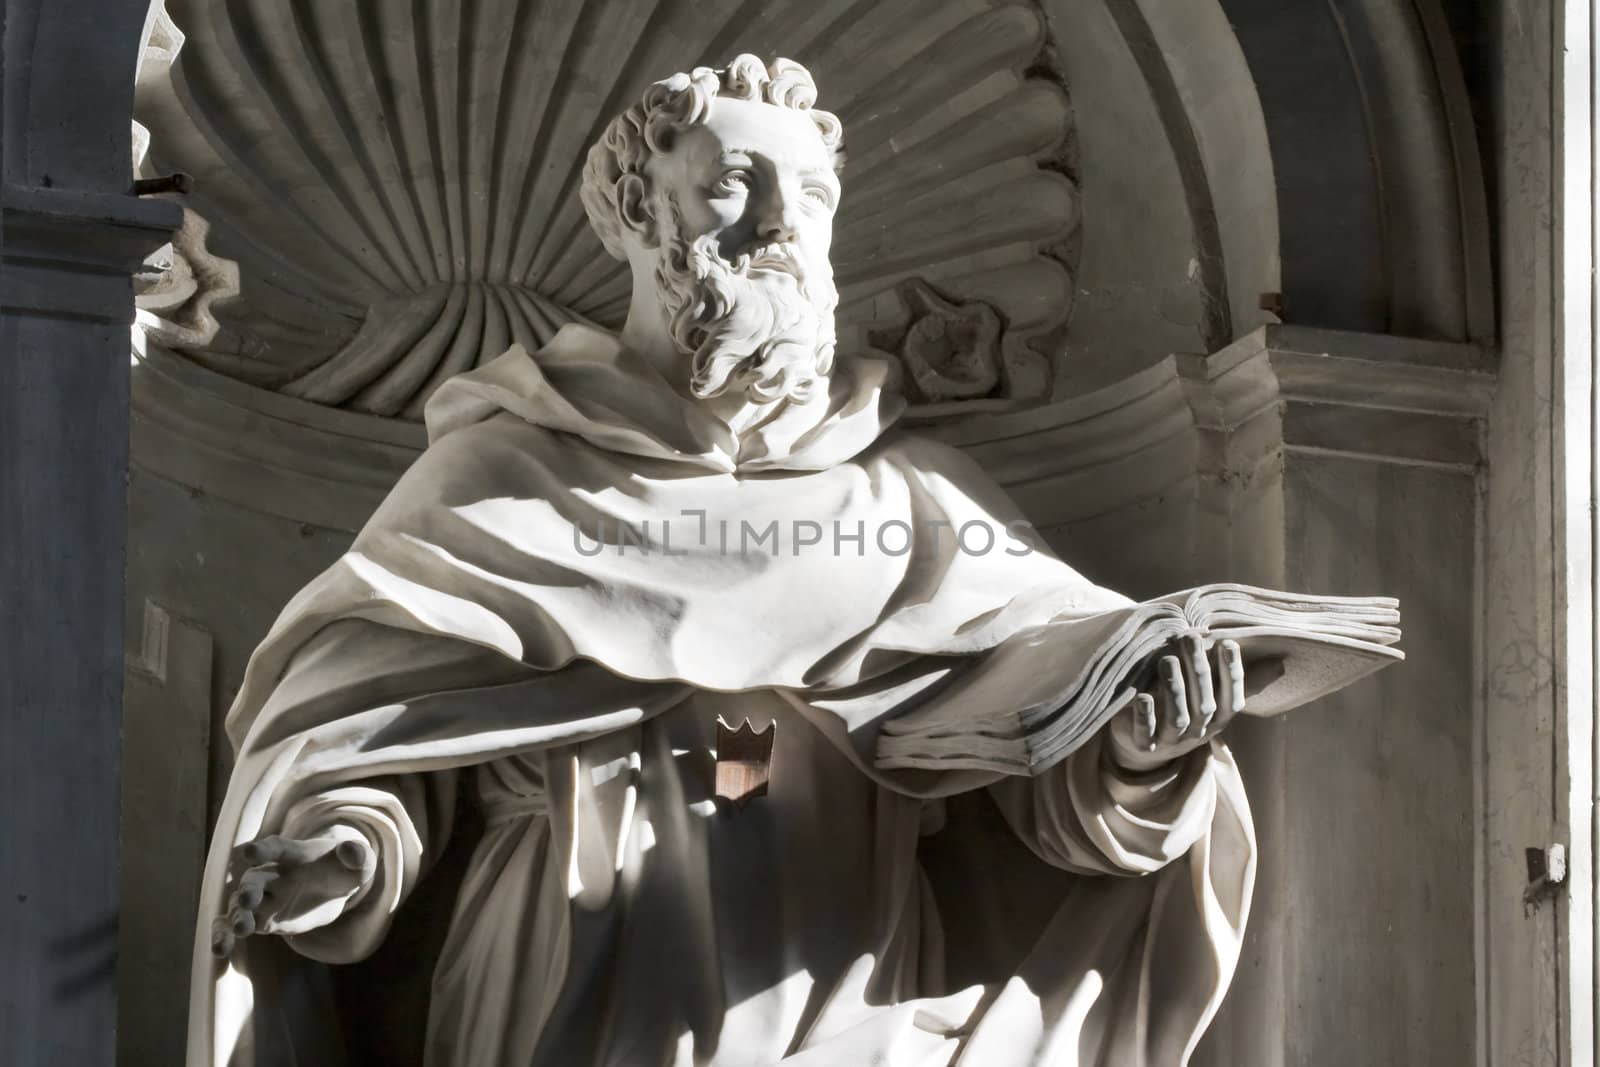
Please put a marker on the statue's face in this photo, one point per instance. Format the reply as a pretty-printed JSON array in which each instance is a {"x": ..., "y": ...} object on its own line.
[
  {"x": 754, "y": 176},
  {"x": 742, "y": 209}
]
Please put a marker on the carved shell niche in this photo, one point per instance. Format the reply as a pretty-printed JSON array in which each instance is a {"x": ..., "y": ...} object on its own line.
[{"x": 386, "y": 191}]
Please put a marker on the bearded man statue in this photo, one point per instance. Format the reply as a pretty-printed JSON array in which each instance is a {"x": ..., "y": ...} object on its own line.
[{"x": 649, "y": 604}]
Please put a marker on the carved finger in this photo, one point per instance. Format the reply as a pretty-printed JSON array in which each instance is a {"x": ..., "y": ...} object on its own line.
[
  {"x": 1232, "y": 678},
  {"x": 1202, "y": 689},
  {"x": 221, "y": 938},
  {"x": 276, "y": 849},
  {"x": 352, "y": 855},
  {"x": 261, "y": 851},
  {"x": 253, "y": 887},
  {"x": 241, "y": 923},
  {"x": 1175, "y": 698},
  {"x": 1144, "y": 717}
]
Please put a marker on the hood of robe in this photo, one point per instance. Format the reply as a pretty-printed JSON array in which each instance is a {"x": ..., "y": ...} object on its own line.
[{"x": 585, "y": 383}]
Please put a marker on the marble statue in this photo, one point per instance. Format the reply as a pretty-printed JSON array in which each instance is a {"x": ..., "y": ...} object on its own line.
[{"x": 649, "y": 603}]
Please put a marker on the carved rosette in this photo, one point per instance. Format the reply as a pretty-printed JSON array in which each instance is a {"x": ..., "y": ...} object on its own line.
[
  {"x": 387, "y": 191},
  {"x": 949, "y": 351}
]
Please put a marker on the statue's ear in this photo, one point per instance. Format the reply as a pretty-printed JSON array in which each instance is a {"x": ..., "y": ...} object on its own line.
[{"x": 634, "y": 207}]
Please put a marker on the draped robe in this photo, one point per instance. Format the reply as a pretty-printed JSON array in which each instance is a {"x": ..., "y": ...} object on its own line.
[{"x": 550, "y": 612}]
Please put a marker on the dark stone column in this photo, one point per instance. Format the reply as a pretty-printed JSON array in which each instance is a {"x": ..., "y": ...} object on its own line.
[
  {"x": 70, "y": 237},
  {"x": 65, "y": 305}
]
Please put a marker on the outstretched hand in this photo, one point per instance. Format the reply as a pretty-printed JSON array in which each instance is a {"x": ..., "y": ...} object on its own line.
[
  {"x": 1187, "y": 699},
  {"x": 289, "y": 886}
]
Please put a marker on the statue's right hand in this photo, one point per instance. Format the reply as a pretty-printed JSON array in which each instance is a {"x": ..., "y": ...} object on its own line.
[{"x": 287, "y": 886}]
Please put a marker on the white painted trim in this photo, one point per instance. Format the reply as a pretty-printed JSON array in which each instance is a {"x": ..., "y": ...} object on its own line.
[{"x": 1574, "y": 469}]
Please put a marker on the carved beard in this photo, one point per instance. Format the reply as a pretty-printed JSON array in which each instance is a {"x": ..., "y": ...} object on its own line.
[{"x": 757, "y": 324}]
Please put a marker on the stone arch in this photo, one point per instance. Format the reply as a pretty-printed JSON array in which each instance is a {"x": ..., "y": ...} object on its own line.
[
  {"x": 1380, "y": 184},
  {"x": 1181, "y": 224},
  {"x": 1323, "y": 153}
]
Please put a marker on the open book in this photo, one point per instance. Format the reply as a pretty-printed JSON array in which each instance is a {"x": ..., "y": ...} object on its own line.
[{"x": 1048, "y": 690}]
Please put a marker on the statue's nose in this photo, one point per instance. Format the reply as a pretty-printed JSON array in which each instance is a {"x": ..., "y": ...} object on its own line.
[{"x": 780, "y": 221}]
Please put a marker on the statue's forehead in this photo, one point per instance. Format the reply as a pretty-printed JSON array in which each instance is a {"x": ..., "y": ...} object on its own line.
[{"x": 782, "y": 135}]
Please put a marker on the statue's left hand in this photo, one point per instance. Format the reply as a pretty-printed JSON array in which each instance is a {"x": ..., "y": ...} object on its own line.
[
  {"x": 290, "y": 886},
  {"x": 1188, "y": 700}
]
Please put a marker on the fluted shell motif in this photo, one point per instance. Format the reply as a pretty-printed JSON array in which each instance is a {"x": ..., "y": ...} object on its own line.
[{"x": 397, "y": 180}]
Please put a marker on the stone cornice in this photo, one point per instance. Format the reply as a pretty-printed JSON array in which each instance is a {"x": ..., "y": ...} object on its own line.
[
  {"x": 1380, "y": 398},
  {"x": 261, "y": 450},
  {"x": 1225, "y": 415},
  {"x": 73, "y": 254}
]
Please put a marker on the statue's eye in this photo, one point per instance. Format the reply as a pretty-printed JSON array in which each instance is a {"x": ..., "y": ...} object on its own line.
[
  {"x": 820, "y": 194},
  {"x": 733, "y": 182}
]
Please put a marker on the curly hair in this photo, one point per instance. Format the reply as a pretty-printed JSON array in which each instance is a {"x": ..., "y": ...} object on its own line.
[{"x": 680, "y": 103}]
